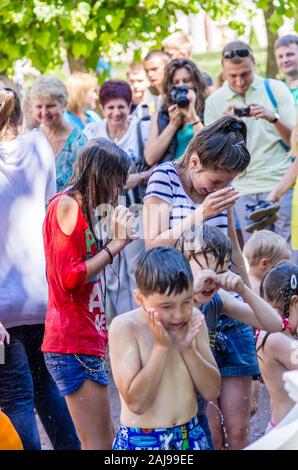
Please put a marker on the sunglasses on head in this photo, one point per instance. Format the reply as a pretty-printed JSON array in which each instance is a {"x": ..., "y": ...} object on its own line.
[{"x": 236, "y": 52}]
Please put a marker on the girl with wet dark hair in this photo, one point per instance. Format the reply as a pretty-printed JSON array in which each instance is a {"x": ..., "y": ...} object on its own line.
[
  {"x": 130, "y": 133},
  {"x": 75, "y": 331},
  {"x": 181, "y": 116},
  {"x": 278, "y": 352}
]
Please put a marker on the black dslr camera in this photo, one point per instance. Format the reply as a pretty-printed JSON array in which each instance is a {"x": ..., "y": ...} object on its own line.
[
  {"x": 242, "y": 111},
  {"x": 179, "y": 96}
]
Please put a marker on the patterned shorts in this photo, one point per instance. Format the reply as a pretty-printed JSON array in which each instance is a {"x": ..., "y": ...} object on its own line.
[{"x": 189, "y": 436}]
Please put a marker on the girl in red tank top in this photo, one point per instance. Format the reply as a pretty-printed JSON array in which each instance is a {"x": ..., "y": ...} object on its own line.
[{"x": 75, "y": 329}]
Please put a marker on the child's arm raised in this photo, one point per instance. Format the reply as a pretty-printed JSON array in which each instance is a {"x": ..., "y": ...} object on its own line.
[
  {"x": 253, "y": 310},
  {"x": 137, "y": 383},
  {"x": 195, "y": 350},
  {"x": 71, "y": 270},
  {"x": 237, "y": 256},
  {"x": 156, "y": 217}
]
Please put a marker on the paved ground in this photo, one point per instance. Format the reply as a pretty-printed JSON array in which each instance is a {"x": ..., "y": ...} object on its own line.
[{"x": 258, "y": 423}]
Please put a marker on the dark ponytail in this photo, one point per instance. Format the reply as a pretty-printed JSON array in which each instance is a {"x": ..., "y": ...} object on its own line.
[
  {"x": 220, "y": 146},
  {"x": 10, "y": 109}
]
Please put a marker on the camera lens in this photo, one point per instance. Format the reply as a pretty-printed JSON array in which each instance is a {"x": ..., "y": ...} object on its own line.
[
  {"x": 242, "y": 111},
  {"x": 179, "y": 96}
]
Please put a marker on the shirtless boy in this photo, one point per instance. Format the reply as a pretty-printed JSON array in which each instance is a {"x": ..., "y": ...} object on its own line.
[{"x": 161, "y": 358}]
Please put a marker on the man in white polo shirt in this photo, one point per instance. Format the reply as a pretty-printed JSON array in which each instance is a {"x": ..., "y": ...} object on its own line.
[{"x": 267, "y": 107}]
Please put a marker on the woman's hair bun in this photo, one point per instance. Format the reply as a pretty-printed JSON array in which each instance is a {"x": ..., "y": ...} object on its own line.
[{"x": 227, "y": 124}]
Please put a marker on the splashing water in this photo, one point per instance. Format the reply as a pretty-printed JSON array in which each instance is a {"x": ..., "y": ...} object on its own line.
[{"x": 222, "y": 422}]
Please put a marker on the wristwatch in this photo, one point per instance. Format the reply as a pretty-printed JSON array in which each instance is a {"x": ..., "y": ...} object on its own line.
[{"x": 276, "y": 118}]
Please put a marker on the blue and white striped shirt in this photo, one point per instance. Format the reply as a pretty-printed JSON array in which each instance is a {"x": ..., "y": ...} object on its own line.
[{"x": 165, "y": 184}]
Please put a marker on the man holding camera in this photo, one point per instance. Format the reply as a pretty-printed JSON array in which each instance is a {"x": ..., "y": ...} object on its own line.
[{"x": 267, "y": 107}]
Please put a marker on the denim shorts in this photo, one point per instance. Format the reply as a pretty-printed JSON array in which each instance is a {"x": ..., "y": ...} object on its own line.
[
  {"x": 238, "y": 358},
  {"x": 69, "y": 371}
]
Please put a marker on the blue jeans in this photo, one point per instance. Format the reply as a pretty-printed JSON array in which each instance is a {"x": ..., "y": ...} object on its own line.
[{"x": 25, "y": 384}]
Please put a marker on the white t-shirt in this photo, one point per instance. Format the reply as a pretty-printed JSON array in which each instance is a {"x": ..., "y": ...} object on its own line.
[
  {"x": 27, "y": 182},
  {"x": 128, "y": 142}
]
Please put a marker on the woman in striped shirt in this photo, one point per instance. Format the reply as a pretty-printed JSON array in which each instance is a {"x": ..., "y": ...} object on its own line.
[{"x": 195, "y": 189}]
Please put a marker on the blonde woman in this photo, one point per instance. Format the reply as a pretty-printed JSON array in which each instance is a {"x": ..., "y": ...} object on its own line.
[
  {"x": 48, "y": 98},
  {"x": 82, "y": 91}
]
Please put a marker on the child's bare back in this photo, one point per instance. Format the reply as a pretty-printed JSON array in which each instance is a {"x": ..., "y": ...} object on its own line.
[{"x": 275, "y": 358}]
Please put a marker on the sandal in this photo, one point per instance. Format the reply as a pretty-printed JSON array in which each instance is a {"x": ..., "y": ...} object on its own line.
[{"x": 262, "y": 209}]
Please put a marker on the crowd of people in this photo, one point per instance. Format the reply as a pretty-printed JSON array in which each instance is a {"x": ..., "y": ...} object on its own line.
[{"x": 156, "y": 218}]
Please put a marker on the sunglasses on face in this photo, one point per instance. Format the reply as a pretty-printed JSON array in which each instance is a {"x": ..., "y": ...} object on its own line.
[{"x": 236, "y": 52}]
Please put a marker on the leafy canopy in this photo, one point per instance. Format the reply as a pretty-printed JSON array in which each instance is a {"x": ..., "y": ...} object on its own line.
[{"x": 47, "y": 31}]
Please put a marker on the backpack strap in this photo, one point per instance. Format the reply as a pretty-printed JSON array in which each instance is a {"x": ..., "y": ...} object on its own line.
[
  {"x": 269, "y": 93},
  {"x": 271, "y": 97}
]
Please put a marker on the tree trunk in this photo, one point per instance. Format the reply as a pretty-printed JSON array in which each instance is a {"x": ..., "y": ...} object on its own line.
[
  {"x": 271, "y": 67},
  {"x": 76, "y": 65}
]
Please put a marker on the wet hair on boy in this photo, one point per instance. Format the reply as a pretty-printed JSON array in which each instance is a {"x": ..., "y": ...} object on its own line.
[
  {"x": 163, "y": 270},
  {"x": 206, "y": 240}
]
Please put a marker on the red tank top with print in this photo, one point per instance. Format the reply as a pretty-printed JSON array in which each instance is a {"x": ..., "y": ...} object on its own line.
[{"x": 75, "y": 320}]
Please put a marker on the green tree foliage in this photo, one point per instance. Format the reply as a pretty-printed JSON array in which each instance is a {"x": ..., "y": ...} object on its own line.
[{"x": 48, "y": 31}]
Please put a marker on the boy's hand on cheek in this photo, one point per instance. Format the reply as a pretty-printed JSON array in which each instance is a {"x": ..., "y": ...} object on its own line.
[
  {"x": 231, "y": 282},
  {"x": 159, "y": 332},
  {"x": 184, "y": 339}
]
